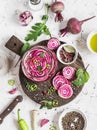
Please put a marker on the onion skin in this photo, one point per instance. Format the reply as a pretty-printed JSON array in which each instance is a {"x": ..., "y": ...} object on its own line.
[
  {"x": 74, "y": 26},
  {"x": 57, "y": 7}
]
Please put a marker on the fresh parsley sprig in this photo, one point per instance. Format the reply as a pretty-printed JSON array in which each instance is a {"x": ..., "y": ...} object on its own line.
[{"x": 39, "y": 28}]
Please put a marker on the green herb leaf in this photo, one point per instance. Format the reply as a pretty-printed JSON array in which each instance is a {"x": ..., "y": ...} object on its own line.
[
  {"x": 82, "y": 77},
  {"x": 46, "y": 104},
  {"x": 42, "y": 55},
  {"x": 45, "y": 17},
  {"x": 25, "y": 47},
  {"x": 38, "y": 28},
  {"x": 11, "y": 82},
  {"x": 46, "y": 30},
  {"x": 39, "y": 68}
]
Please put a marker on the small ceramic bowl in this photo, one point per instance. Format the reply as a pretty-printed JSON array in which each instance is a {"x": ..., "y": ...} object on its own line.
[
  {"x": 69, "y": 48},
  {"x": 89, "y": 40},
  {"x": 69, "y": 111}
]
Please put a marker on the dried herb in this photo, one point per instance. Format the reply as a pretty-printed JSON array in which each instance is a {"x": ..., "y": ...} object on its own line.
[{"x": 39, "y": 28}]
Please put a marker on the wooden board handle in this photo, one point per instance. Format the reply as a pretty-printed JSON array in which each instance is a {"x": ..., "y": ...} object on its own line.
[
  {"x": 18, "y": 99},
  {"x": 14, "y": 44}
]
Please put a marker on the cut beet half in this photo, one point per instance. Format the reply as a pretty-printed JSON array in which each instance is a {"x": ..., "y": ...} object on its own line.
[
  {"x": 65, "y": 91},
  {"x": 68, "y": 72},
  {"x": 59, "y": 81},
  {"x": 53, "y": 44}
]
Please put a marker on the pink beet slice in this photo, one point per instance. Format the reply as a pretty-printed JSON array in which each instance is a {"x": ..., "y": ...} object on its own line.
[
  {"x": 53, "y": 44},
  {"x": 68, "y": 72},
  {"x": 58, "y": 81},
  {"x": 43, "y": 122},
  {"x": 65, "y": 91}
]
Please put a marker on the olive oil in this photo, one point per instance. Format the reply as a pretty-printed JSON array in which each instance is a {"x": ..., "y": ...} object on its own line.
[{"x": 93, "y": 43}]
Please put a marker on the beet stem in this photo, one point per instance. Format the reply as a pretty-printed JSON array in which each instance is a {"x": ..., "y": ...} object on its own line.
[
  {"x": 86, "y": 19},
  {"x": 64, "y": 31}
]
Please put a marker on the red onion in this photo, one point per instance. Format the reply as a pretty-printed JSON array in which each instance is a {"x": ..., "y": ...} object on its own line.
[
  {"x": 43, "y": 122},
  {"x": 74, "y": 26},
  {"x": 53, "y": 43},
  {"x": 12, "y": 91},
  {"x": 57, "y": 7},
  {"x": 25, "y": 18}
]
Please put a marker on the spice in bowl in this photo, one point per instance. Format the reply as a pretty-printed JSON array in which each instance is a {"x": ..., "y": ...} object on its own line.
[
  {"x": 72, "y": 120},
  {"x": 67, "y": 53}
]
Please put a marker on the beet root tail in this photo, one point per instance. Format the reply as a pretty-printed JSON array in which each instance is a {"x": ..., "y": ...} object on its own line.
[
  {"x": 64, "y": 31},
  {"x": 87, "y": 19}
]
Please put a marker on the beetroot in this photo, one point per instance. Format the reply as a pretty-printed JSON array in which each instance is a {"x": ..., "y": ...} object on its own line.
[
  {"x": 43, "y": 122},
  {"x": 53, "y": 43},
  {"x": 68, "y": 72},
  {"x": 58, "y": 81},
  {"x": 57, "y": 7},
  {"x": 65, "y": 91},
  {"x": 73, "y": 26}
]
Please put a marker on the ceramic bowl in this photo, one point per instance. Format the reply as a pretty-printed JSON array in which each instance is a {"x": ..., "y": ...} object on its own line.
[
  {"x": 70, "y": 51},
  {"x": 89, "y": 39},
  {"x": 68, "y": 111},
  {"x": 39, "y": 63}
]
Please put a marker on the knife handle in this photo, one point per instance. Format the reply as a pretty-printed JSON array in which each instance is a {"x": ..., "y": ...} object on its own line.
[{"x": 18, "y": 99}]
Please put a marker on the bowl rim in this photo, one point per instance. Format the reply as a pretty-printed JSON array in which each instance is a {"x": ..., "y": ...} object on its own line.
[
  {"x": 90, "y": 35},
  {"x": 71, "y": 110},
  {"x": 66, "y": 44}
]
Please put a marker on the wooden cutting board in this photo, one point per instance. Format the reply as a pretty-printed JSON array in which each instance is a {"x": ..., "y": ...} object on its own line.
[{"x": 39, "y": 95}]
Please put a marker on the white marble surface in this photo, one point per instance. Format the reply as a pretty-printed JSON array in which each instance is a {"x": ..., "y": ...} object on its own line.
[{"x": 86, "y": 101}]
